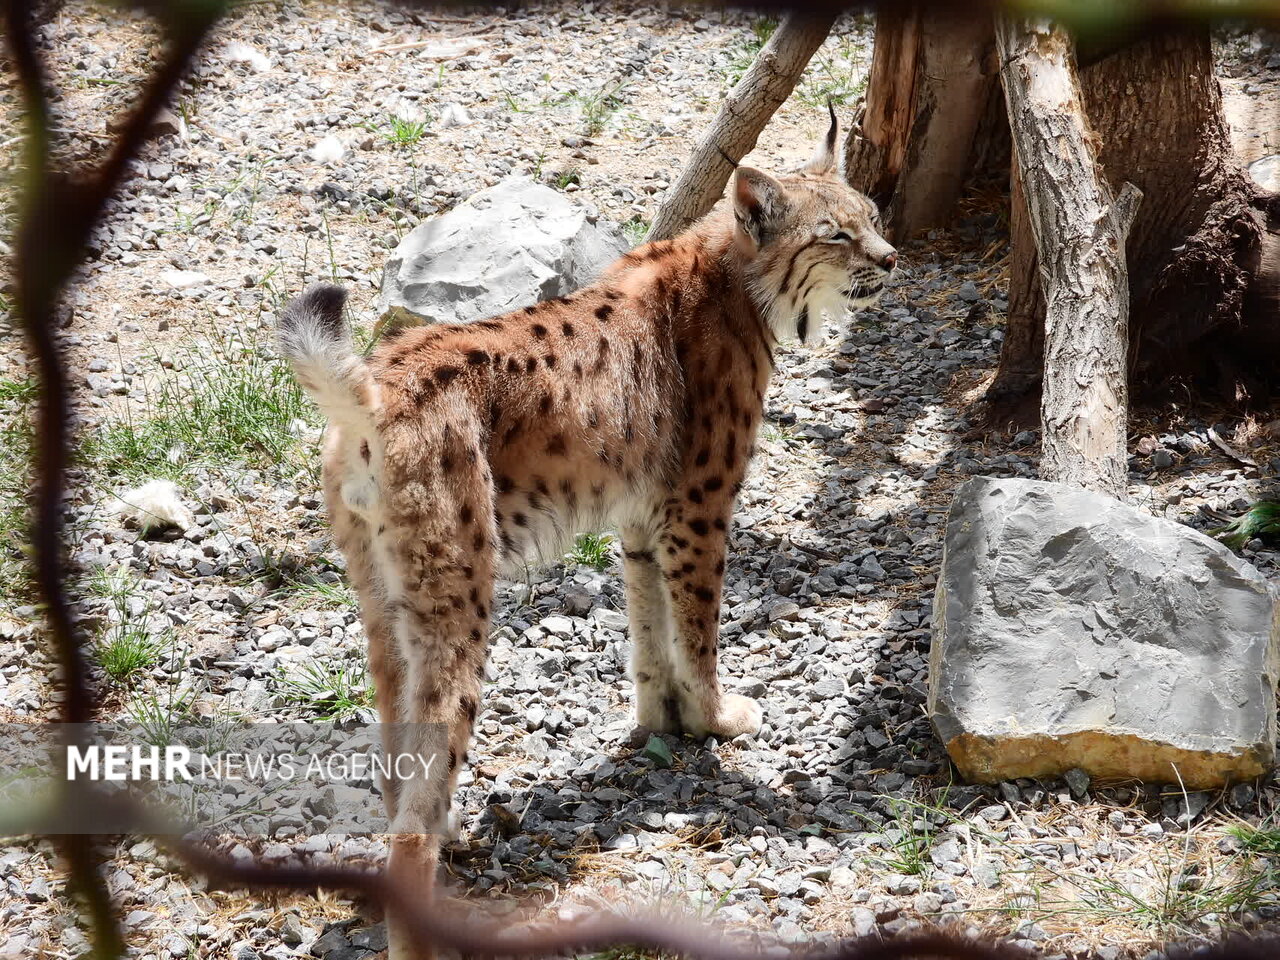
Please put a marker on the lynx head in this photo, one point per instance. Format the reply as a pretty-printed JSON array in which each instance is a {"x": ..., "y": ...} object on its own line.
[{"x": 812, "y": 242}]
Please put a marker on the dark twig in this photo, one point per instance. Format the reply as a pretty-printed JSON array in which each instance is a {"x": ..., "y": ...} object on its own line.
[
  {"x": 60, "y": 209},
  {"x": 59, "y": 213},
  {"x": 595, "y": 933}
]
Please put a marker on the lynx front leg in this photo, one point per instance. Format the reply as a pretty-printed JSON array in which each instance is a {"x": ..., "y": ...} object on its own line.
[
  {"x": 652, "y": 634},
  {"x": 692, "y": 552}
]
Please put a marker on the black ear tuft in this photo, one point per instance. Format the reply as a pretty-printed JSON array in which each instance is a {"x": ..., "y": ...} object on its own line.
[
  {"x": 823, "y": 160},
  {"x": 322, "y": 305}
]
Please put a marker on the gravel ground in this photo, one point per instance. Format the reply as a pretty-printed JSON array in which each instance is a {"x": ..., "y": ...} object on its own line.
[{"x": 840, "y": 817}]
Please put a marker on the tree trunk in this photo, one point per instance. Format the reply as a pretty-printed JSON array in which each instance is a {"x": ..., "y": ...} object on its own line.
[
  {"x": 1198, "y": 252},
  {"x": 1079, "y": 232},
  {"x": 917, "y": 137},
  {"x": 753, "y": 100}
]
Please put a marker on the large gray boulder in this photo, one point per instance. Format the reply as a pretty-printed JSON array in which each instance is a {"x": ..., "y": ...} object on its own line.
[
  {"x": 1266, "y": 172},
  {"x": 504, "y": 248},
  {"x": 1073, "y": 630}
]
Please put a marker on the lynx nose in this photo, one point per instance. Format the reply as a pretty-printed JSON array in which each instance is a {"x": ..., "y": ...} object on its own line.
[{"x": 889, "y": 260}]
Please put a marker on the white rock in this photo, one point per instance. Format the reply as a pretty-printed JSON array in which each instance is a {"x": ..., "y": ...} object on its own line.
[
  {"x": 506, "y": 247},
  {"x": 1266, "y": 172},
  {"x": 181, "y": 279},
  {"x": 454, "y": 115},
  {"x": 154, "y": 505},
  {"x": 560, "y": 626},
  {"x": 238, "y": 52},
  {"x": 328, "y": 150}
]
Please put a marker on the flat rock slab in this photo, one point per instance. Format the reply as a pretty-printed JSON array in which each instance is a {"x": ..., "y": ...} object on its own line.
[
  {"x": 1073, "y": 630},
  {"x": 504, "y": 248}
]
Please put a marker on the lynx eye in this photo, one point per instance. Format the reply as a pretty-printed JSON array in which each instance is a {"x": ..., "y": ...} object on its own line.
[{"x": 840, "y": 237}]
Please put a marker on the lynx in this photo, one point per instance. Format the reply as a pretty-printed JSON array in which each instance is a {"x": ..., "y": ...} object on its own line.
[{"x": 459, "y": 451}]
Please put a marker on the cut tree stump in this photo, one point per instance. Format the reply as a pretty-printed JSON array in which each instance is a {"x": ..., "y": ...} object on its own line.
[
  {"x": 1080, "y": 235},
  {"x": 751, "y": 103}
]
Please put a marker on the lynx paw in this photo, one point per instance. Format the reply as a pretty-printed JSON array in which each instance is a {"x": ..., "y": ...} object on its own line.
[{"x": 737, "y": 715}]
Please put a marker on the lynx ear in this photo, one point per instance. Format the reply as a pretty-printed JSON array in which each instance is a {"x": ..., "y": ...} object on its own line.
[
  {"x": 824, "y": 157},
  {"x": 759, "y": 202}
]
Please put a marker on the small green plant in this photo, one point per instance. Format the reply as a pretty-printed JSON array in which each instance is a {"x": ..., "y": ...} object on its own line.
[
  {"x": 776, "y": 432},
  {"x": 635, "y": 230},
  {"x": 188, "y": 109},
  {"x": 128, "y": 651},
  {"x": 598, "y": 106},
  {"x": 18, "y": 391},
  {"x": 568, "y": 176},
  {"x": 325, "y": 596},
  {"x": 402, "y": 131},
  {"x": 911, "y": 840},
  {"x": 330, "y": 692},
  {"x": 591, "y": 550},
  {"x": 1261, "y": 839},
  {"x": 833, "y": 76},
  {"x": 1261, "y": 520},
  {"x": 159, "y": 717},
  {"x": 128, "y": 648},
  {"x": 511, "y": 100}
]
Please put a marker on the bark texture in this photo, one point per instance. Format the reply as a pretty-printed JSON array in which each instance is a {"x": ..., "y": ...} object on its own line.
[
  {"x": 917, "y": 137},
  {"x": 756, "y": 97},
  {"x": 1202, "y": 279},
  {"x": 1079, "y": 232}
]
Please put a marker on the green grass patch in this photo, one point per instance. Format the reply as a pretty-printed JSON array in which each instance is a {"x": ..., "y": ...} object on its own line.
[
  {"x": 230, "y": 404},
  {"x": 126, "y": 652},
  {"x": 566, "y": 177},
  {"x": 159, "y": 718},
  {"x": 598, "y": 105},
  {"x": 319, "y": 594},
  {"x": 909, "y": 840},
  {"x": 833, "y": 75},
  {"x": 16, "y": 400}
]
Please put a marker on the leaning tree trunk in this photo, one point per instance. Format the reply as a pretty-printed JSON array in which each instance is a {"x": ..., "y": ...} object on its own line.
[
  {"x": 921, "y": 128},
  {"x": 753, "y": 100},
  {"x": 1200, "y": 251},
  {"x": 1079, "y": 232}
]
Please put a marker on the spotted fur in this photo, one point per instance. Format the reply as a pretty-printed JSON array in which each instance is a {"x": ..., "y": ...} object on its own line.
[{"x": 458, "y": 451}]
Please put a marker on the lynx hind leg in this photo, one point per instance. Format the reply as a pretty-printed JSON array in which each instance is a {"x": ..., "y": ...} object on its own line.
[
  {"x": 439, "y": 544},
  {"x": 354, "y": 537},
  {"x": 692, "y": 553},
  {"x": 652, "y": 634}
]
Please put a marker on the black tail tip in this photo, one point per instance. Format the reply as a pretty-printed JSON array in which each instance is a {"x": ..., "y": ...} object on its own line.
[{"x": 320, "y": 301}]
